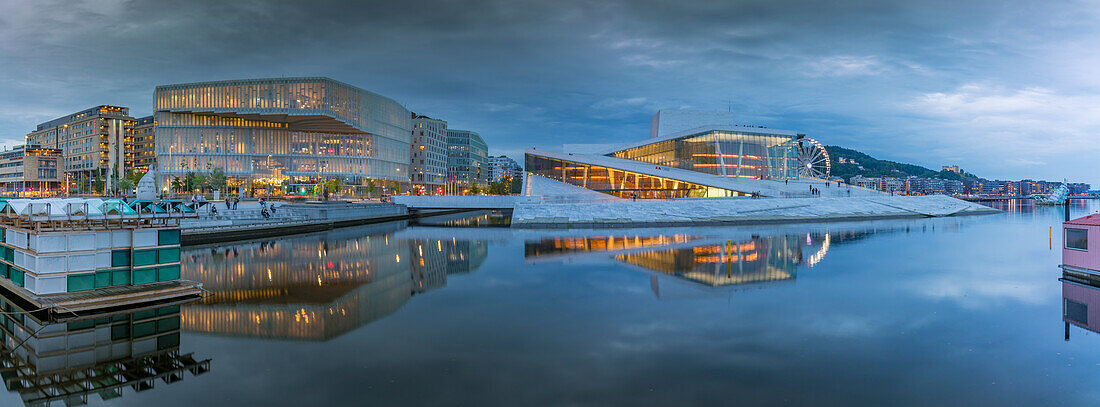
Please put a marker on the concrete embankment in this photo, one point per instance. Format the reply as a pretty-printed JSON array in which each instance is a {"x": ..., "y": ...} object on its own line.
[
  {"x": 484, "y": 202},
  {"x": 689, "y": 212},
  {"x": 246, "y": 222}
]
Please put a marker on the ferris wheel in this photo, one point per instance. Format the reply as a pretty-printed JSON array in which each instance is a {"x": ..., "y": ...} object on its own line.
[{"x": 813, "y": 160}]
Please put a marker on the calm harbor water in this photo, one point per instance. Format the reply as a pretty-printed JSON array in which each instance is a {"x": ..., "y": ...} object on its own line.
[{"x": 951, "y": 311}]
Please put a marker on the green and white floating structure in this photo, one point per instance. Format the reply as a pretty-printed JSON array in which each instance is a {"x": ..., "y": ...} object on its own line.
[{"x": 54, "y": 247}]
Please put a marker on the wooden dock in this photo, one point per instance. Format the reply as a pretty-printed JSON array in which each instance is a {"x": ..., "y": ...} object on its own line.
[{"x": 103, "y": 300}]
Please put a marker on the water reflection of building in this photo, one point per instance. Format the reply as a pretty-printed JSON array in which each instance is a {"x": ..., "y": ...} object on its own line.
[
  {"x": 569, "y": 245},
  {"x": 481, "y": 219},
  {"x": 1080, "y": 293},
  {"x": 759, "y": 259},
  {"x": 465, "y": 256},
  {"x": 316, "y": 287},
  {"x": 682, "y": 264},
  {"x": 52, "y": 363}
]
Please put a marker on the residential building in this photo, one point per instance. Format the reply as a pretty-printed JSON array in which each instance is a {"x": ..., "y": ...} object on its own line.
[
  {"x": 429, "y": 153},
  {"x": 864, "y": 182},
  {"x": 467, "y": 158},
  {"x": 893, "y": 184},
  {"x": 92, "y": 142},
  {"x": 930, "y": 186},
  {"x": 30, "y": 171},
  {"x": 141, "y": 151},
  {"x": 282, "y": 135},
  {"x": 502, "y": 167},
  {"x": 953, "y": 187}
]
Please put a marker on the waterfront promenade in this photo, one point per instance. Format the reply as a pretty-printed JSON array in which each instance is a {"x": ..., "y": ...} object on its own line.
[
  {"x": 247, "y": 222},
  {"x": 548, "y": 203}
]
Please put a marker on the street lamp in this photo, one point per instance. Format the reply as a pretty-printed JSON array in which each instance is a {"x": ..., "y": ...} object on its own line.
[
  {"x": 322, "y": 178},
  {"x": 168, "y": 170}
]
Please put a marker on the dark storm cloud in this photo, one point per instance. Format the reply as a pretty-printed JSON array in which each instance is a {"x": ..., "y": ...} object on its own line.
[{"x": 921, "y": 81}]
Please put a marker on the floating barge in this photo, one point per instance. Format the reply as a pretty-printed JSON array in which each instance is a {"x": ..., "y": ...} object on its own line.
[{"x": 82, "y": 256}]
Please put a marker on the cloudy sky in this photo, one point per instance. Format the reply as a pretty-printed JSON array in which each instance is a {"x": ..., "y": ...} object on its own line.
[{"x": 1005, "y": 89}]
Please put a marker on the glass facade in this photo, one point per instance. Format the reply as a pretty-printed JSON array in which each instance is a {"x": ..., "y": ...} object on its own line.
[
  {"x": 467, "y": 158},
  {"x": 618, "y": 182},
  {"x": 731, "y": 153},
  {"x": 271, "y": 134}
]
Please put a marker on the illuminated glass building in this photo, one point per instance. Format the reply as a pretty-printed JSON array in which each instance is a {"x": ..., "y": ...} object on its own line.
[
  {"x": 736, "y": 152},
  {"x": 708, "y": 161},
  {"x": 271, "y": 135}
]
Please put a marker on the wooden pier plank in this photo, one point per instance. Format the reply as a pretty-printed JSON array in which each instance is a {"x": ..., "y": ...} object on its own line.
[{"x": 106, "y": 297}]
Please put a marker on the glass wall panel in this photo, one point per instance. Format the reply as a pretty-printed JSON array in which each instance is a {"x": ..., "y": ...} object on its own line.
[
  {"x": 249, "y": 129},
  {"x": 726, "y": 153},
  {"x": 623, "y": 184}
]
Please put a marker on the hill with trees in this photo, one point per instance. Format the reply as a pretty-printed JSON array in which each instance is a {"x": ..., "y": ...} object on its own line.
[{"x": 868, "y": 166}]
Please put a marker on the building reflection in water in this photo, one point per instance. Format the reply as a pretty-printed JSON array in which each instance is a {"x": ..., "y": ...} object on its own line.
[
  {"x": 1080, "y": 293},
  {"x": 480, "y": 219},
  {"x": 676, "y": 260},
  {"x": 318, "y": 286},
  {"x": 65, "y": 363},
  {"x": 759, "y": 259},
  {"x": 585, "y": 244}
]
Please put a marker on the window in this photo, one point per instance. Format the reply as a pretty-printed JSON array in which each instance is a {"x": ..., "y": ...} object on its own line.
[
  {"x": 1076, "y": 311},
  {"x": 1077, "y": 239}
]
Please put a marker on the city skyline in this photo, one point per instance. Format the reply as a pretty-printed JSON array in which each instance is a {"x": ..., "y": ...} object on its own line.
[{"x": 929, "y": 83}]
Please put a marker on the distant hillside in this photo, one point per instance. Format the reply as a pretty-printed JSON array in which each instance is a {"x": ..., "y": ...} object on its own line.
[{"x": 873, "y": 167}]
